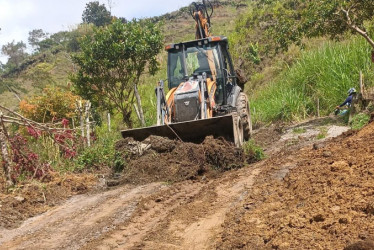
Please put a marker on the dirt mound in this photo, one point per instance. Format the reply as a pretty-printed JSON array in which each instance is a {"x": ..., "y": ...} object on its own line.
[
  {"x": 318, "y": 198},
  {"x": 161, "y": 159},
  {"x": 35, "y": 198}
]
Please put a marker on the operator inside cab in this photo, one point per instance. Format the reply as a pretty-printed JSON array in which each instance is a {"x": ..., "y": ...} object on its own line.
[{"x": 203, "y": 65}]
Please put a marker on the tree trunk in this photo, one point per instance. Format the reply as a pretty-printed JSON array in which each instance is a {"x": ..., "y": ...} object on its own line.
[
  {"x": 126, "y": 118},
  {"x": 139, "y": 102},
  {"x": 7, "y": 161}
]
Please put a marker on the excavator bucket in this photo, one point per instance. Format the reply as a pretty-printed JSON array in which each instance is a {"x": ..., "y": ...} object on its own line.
[{"x": 192, "y": 131}]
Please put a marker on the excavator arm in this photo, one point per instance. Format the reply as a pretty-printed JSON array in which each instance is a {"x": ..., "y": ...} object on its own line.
[{"x": 199, "y": 12}]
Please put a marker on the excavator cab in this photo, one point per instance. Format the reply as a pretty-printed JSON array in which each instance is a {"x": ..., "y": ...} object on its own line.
[
  {"x": 209, "y": 56},
  {"x": 204, "y": 58}
]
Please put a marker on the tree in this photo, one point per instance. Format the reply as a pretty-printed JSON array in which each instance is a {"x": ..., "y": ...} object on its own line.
[
  {"x": 16, "y": 53},
  {"x": 112, "y": 60},
  {"x": 300, "y": 19},
  {"x": 96, "y": 14},
  {"x": 36, "y": 36}
]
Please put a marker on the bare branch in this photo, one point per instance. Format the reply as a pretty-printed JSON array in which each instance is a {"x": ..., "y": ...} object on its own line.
[{"x": 356, "y": 28}]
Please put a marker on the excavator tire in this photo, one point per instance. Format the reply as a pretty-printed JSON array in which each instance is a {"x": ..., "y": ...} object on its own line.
[{"x": 242, "y": 106}]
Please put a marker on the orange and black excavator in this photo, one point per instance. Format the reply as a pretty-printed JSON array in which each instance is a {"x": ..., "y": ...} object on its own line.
[{"x": 204, "y": 97}]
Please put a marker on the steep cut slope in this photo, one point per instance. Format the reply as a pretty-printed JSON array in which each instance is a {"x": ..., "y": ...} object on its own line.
[{"x": 321, "y": 197}]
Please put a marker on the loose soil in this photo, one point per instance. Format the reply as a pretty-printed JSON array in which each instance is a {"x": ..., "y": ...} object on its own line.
[
  {"x": 319, "y": 197},
  {"x": 161, "y": 159},
  {"x": 310, "y": 193},
  {"x": 34, "y": 198}
]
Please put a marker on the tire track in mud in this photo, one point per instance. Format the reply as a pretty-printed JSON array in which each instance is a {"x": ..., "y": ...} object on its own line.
[
  {"x": 183, "y": 215},
  {"x": 79, "y": 220},
  {"x": 150, "y": 212},
  {"x": 186, "y": 216}
]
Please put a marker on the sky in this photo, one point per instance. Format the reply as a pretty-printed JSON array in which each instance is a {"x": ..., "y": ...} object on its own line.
[{"x": 18, "y": 17}]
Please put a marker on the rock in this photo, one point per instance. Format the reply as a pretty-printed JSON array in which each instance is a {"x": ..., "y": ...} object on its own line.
[
  {"x": 343, "y": 221},
  {"x": 318, "y": 218},
  {"x": 112, "y": 183},
  {"x": 327, "y": 153},
  {"x": 318, "y": 145},
  {"x": 361, "y": 245},
  {"x": 19, "y": 198},
  {"x": 340, "y": 166}
]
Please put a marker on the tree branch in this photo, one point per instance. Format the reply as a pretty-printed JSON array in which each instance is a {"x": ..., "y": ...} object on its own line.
[{"x": 356, "y": 28}]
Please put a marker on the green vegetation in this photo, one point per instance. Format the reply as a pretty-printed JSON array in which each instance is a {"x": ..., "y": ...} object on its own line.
[
  {"x": 96, "y": 14},
  {"x": 112, "y": 61},
  {"x": 295, "y": 20},
  {"x": 325, "y": 73},
  {"x": 251, "y": 149},
  {"x": 322, "y": 133},
  {"x": 299, "y": 130},
  {"x": 359, "y": 121},
  {"x": 102, "y": 152}
]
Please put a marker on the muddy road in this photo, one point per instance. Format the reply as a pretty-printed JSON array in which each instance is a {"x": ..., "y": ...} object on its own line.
[
  {"x": 262, "y": 205},
  {"x": 154, "y": 216}
]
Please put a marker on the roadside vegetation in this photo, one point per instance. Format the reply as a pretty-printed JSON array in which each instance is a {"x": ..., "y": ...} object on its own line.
[{"x": 322, "y": 74}]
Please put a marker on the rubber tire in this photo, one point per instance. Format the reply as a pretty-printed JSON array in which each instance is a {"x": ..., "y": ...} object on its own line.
[
  {"x": 242, "y": 106},
  {"x": 239, "y": 140}
]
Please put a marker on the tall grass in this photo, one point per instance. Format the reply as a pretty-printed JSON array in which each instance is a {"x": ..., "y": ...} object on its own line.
[{"x": 325, "y": 73}]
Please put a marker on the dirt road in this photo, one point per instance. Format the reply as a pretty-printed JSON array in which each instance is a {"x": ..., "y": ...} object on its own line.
[
  {"x": 237, "y": 209},
  {"x": 183, "y": 215}
]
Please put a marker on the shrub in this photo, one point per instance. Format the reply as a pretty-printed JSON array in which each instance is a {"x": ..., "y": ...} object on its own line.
[
  {"x": 359, "y": 121},
  {"x": 252, "y": 150},
  {"x": 54, "y": 104},
  {"x": 101, "y": 153}
]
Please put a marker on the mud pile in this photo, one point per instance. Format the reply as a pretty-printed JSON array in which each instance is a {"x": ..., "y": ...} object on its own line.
[
  {"x": 161, "y": 159},
  {"x": 320, "y": 197}
]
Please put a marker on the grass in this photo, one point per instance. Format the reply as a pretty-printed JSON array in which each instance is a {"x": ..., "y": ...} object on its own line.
[
  {"x": 300, "y": 130},
  {"x": 324, "y": 74},
  {"x": 359, "y": 121},
  {"x": 252, "y": 149},
  {"x": 322, "y": 133}
]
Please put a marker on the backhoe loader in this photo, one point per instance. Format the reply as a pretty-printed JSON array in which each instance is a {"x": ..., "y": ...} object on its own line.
[{"x": 204, "y": 96}]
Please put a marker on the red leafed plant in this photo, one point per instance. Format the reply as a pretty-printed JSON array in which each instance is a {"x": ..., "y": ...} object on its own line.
[{"x": 26, "y": 162}]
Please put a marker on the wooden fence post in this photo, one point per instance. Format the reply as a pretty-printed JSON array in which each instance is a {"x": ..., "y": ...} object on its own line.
[
  {"x": 108, "y": 116},
  {"x": 87, "y": 115},
  {"x": 7, "y": 161},
  {"x": 140, "y": 109},
  {"x": 81, "y": 118}
]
